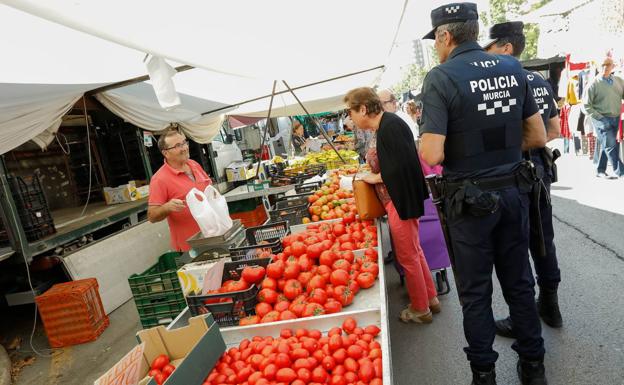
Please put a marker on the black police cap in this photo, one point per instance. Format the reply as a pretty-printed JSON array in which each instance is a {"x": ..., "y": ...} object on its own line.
[
  {"x": 502, "y": 30},
  {"x": 451, "y": 13}
]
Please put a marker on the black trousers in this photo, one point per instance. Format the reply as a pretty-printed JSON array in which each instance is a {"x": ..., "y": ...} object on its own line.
[{"x": 497, "y": 241}]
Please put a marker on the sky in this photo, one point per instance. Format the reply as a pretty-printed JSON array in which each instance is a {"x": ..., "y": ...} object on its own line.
[{"x": 416, "y": 23}]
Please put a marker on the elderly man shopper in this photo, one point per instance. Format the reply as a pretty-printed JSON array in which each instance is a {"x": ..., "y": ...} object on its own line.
[
  {"x": 169, "y": 186},
  {"x": 604, "y": 104},
  {"x": 390, "y": 104}
]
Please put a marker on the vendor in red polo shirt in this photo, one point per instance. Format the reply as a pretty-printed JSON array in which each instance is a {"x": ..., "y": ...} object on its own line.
[{"x": 169, "y": 186}]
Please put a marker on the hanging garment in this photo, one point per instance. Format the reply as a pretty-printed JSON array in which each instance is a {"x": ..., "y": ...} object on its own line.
[{"x": 563, "y": 118}]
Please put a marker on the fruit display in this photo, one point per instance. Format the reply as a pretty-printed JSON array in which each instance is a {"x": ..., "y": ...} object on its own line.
[
  {"x": 161, "y": 369},
  {"x": 328, "y": 157},
  {"x": 343, "y": 138},
  {"x": 345, "y": 355},
  {"x": 331, "y": 202}
]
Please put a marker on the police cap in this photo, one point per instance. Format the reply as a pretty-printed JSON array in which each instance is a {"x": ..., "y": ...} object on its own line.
[
  {"x": 502, "y": 30},
  {"x": 451, "y": 13}
]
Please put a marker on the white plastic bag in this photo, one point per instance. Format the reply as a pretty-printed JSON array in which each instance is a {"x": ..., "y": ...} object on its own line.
[
  {"x": 220, "y": 207},
  {"x": 203, "y": 213},
  {"x": 346, "y": 182}
]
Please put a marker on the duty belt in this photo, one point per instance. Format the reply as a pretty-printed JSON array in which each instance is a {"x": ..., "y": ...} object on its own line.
[{"x": 522, "y": 178}]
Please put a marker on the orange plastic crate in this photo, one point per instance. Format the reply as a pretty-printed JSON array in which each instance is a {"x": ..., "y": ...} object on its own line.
[
  {"x": 251, "y": 218},
  {"x": 72, "y": 313}
]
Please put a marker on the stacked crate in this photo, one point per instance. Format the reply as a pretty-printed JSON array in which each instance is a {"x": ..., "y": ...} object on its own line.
[
  {"x": 157, "y": 292},
  {"x": 72, "y": 313},
  {"x": 32, "y": 206}
]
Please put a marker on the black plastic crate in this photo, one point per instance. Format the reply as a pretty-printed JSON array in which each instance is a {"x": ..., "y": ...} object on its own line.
[
  {"x": 309, "y": 187},
  {"x": 237, "y": 304},
  {"x": 269, "y": 232},
  {"x": 293, "y": 215},
  {"x": 253, "y": 251},
  {"x": 292, "y": 200}
]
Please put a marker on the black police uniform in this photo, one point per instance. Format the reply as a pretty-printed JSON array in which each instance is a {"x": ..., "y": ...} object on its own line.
[
  {"x": 478, "y": 101},
  {"x": 546, "y": 266}
]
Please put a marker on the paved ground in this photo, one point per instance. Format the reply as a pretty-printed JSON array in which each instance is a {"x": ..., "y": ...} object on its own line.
[{"x": 588, "y": 350}]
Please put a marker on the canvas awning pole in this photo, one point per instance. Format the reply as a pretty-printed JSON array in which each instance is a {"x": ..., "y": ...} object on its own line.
[
  {"x": 327, "y": 138},
  {"x": 129, "y": 82},
  {"x": 294, "y": 89},
  {"x": 266, "y": 129}
]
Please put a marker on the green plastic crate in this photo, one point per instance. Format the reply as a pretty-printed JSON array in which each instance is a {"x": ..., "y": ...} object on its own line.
[
  {"x": 157, "y": 292},
  {"x": 243, "y": 205}
]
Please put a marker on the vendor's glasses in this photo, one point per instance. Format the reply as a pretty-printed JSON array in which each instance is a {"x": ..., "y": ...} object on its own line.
[{"x": 178, "y": 146}]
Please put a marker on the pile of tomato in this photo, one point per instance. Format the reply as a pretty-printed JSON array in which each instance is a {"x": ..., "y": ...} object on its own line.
[
  {"x": 347, "y": 355},
  {"x": 317, "y": 273},
  {"x": 331, "y": 202},
  {"x": 161, "y": 369}
]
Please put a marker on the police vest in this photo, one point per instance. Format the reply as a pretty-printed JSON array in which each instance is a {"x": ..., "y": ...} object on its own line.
[
  {"x": 487, "y": 130},
  {"x": 542, "y": 93}
]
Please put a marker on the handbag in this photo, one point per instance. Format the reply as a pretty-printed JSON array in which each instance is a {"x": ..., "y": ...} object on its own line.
[{"x": 367, "y": 202}]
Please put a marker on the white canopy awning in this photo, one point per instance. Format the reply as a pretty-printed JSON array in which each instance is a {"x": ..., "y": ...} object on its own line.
[{"x": 239, "y": 47}]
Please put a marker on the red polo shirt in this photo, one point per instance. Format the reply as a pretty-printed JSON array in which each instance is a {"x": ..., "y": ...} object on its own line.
[{"x": 169, "y": 183}]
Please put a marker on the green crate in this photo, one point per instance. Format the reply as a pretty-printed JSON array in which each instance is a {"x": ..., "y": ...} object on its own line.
[
  {"x": 157, "y": 292},
  {"x": 162, "y": 318}
]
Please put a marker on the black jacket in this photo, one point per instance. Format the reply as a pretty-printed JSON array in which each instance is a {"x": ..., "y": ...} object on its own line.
[{"x": 400, "y": 166}]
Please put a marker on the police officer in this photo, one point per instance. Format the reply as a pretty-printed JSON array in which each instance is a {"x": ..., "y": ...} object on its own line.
[
  {"x": 508, "y": 39},
  {"x": 478, "y": 116}
]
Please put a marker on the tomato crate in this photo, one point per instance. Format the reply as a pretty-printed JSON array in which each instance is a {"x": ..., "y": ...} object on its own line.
[
  {"x": 293, "y": 215},
  {"x": 292, "y": 200},
  {"x": 309, "y": 187},
  {"x": 157, "y": 290},
  {"x": 228, "y": 308},
  {"x": 254, "y": 251},
  {"x": 269, "y": 232},
  {"x": 72, "y": 313},
  {"x": 251, "y": 218}
]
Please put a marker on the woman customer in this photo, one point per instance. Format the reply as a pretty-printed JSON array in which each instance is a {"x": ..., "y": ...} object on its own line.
[
  {"x": 299, "y": 142},
  {"x": 400, "y": 186}
]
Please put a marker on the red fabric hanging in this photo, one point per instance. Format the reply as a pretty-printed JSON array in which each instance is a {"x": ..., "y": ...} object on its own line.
[
  {"x": 563, "y": 119},
  {"x": 575, "y": 66}
]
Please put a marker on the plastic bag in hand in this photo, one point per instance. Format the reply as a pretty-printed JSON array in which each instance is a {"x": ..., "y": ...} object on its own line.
[
  {"x": 219, "y": 205},
  {"x": 204, "y": 214}
]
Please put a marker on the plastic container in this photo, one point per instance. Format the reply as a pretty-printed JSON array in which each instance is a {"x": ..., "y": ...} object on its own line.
[
  {"x": 72, "y": 313},
  {"x": 293, "y": 215},
  {"x": 292, "y": 200},
  {"x": 307, "y": 187},
  {"x": 251, "y": 218},
  {"x": 239, "y": 304},
  {"x": 157, "y": 292}
]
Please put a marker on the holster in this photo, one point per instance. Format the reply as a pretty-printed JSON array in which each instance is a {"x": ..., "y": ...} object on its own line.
[{"x": 549, "y": 156}]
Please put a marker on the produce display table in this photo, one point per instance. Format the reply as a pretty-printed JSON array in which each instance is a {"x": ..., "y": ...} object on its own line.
[{"x": 370, "y": 306}]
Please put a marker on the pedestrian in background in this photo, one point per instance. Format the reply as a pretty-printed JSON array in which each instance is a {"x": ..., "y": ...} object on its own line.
[{"x": 604, "y": 106}]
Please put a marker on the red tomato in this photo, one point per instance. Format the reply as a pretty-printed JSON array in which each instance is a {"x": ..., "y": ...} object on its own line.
[
  {"x": 335, "y": 343},
  {"x": 366, "y": 372},
  {"x": 339, "y": 277},
  {"x": 243, "y": 374},
  {"x": 304, "y": 277},
  {"x": 297, "y": 308},
  {"x": 332, "y": 306},
  {"x": 337, "y": 379},
  {"x": 324, "y": 271},
  {"x": 314, "y": 251},
  {"x": 292, "y": 270},
  {"x": 378, "y": 367},
  {"x": 268, "y": 296},
  {"x": 334, "y": 331},
  {"x": 341, "y": 264},
  {"x": 253, "y": 274},
  {"x": 271, "y": 316},
  {"x": 239, "y": 285},
  {"x": 282, "y": 305},
  {"x": 293, "y": 289},
  {"x": 153, "y": 372},
  {"x": 262, "y": 308},
  {"x": 338, "y": 229},
  {"x": 353, "y": 286},
  {"x": 370, "y": 267},
  {"x": 365, "y": 280},
  {"x": 319, "y": 375},
  {"x": 340, "y": 355},
  {"x": 326, "y": 258},
  {"x": 298, "y": 248},
  {"x": 286, "y": 315},
  {"x": 269, "y": 283},
  {"x": 329, "y": 363},
  {"x": 351, "y": 365},
  {"x": 250, "y": 320},
  {"x": 159, "y": 378},
  {"x": 282, "y": 360},
  {"x": 344, "y": 295},
  {"x": 316, "y": 282},
  {"x": 305, "y": 263},
  {"x": 348, "y": 325},
  {"x": 281, "y": 283},
  {"x": 275, "y": 270},
  {"x": 160, "y": 361},
  {"x": 372, "y": 329},
  {"x": 270, "y": 371},
  {"x": 355, "y": 352},
  {"x": 313, "y": 309},
  {"x": 286, "y": 375},
  {"x": 318, "y": 295}
]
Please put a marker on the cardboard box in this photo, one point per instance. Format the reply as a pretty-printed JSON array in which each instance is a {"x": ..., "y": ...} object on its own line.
[
  {"x": 237, "y": 171},
  {"x": 131, "y": 191},
  {"x": 192, "y": 276},
  {"x": 193, "y": 349}
]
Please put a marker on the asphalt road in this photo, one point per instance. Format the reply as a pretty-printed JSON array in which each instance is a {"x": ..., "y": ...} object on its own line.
[{"x": 589, "y": 349}]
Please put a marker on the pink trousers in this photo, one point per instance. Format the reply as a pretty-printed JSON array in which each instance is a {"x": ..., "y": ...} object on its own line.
[{"x": 409, "y": 254}]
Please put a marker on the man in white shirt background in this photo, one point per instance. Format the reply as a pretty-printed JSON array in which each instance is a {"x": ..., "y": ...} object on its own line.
[{"x": 391, "y": 104}]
